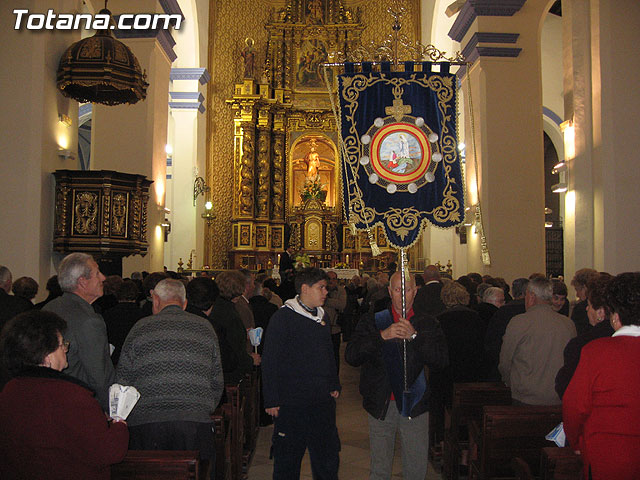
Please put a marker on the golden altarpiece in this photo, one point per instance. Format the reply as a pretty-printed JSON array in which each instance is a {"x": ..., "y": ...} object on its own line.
[{"x": 286, "y": 183}]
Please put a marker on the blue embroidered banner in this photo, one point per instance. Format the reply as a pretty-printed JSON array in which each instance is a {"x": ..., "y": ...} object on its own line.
[{"x": 400, "y": 158}]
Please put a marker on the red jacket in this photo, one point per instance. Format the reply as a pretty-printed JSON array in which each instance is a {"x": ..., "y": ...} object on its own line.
[
  {"x": 52, "y": 427},
  {"x": 601, "y": 408}
]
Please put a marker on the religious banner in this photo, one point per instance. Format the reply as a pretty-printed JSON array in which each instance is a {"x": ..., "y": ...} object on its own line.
[{"x": 400, "y": 158}]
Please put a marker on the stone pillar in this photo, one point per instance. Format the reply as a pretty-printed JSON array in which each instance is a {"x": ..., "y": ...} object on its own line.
[
  {"x": 601, "y": 203},
  {"x": 187, "y": 163},
  {"x": 506, "y": 90}
]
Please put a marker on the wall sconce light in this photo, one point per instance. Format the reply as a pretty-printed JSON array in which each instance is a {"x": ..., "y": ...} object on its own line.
[
  {"x": 65, "y": 153},
  {"x": 166, "y": 227},
  {"x": 208, "y": 214},
  {"x": 199, "y": 188},
  {"x": 64, "y": 119},
  {"x": 559, "y": 167},
  {"x": 569, "y": 134},
  {"x": 559, "y": 188},
  {"x": 470, "y": 215}
]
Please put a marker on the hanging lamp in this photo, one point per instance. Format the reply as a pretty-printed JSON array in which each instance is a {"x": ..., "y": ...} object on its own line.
[{"x": 101, "y": 69}]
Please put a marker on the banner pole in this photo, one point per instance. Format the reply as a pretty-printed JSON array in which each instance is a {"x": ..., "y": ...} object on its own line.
[{"x": 403, "y": 258}]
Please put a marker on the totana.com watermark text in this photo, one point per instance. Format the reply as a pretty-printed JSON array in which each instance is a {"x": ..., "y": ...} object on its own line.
[{"x": 99, "y": 21}]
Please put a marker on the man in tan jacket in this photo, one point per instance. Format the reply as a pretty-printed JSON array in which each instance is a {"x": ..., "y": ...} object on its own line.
[{"x": 532, "y": 347}]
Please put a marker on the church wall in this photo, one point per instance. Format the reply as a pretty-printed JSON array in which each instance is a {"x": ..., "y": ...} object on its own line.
[
  {"x": 132, "y": 139},
  {"x": 230, "y": 24},
  {"x": 442, "y": 245},
  {"x": 551, "y": 51},
  {"x": 31, "y": 135}
]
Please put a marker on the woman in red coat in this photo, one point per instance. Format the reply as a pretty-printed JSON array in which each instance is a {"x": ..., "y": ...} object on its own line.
[
  {"x": 601, "y": 406},
  {"x": 51, "y": 426}
]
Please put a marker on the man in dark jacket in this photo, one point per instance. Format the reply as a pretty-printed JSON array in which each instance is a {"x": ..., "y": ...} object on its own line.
[
  {"x": 428, "y": 299},
  {"x": 10, "y": 305},
  {"x": 377, "y": 346},
  {"x": 498, "y": 325}
]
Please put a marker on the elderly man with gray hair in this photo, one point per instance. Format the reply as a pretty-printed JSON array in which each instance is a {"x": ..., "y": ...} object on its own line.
[
  {"x": 89, "y": 357},
  {"x": 533, "y": 345},
  {"x": 172, "y": 357}
]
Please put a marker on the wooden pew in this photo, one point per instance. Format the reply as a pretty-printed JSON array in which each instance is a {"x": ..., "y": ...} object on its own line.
[
  {"x": 521, "y": 469},
  {"x": 507, "y": 432},
  {"x": 234, "y": 409},
  {"x": 560, "y": 464},
  {"x": 251, "y": 393},
  {"x": 223, "y": 445},
  {"x": 158, "y": 465},
  {"x": 468, "y": 400}
]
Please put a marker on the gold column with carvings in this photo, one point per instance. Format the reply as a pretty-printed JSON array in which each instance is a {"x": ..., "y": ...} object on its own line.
[
  {"x": 264, "y": 163},
  {"x": 245, "y": 107}
]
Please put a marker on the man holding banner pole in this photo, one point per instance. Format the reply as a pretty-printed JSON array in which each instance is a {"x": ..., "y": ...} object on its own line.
[{"x": 395, "y": 403}]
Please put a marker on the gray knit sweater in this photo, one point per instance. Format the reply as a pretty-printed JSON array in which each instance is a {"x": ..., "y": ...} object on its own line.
[{"x": 173, "y": 359}]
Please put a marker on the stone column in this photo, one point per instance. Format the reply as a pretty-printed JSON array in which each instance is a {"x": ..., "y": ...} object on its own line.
[
  {"x": 506, "y": 91},
  {"x": 601, "y": 204}
]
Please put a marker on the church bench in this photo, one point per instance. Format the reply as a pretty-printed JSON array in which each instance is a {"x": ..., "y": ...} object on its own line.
[
  {"x": 158, "y": 465},
  {"x": 467, "y": 402},
  {"x": 506, "y": 432},
  {"x": 222, "y": 444},
  {"x": 521, "y": 469},
  {"x": 250, "y": 390},
  {"x": 560, "y": 464},
  {"x": 234, "y": 409}
]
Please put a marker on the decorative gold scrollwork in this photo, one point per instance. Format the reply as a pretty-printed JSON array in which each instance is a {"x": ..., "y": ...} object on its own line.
[
  {"x": 86, "y": 212},
  {"x": 119, "y": 214}
]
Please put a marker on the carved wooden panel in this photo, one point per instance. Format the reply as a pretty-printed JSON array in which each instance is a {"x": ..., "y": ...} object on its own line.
[{"x": 101, "y": 212}]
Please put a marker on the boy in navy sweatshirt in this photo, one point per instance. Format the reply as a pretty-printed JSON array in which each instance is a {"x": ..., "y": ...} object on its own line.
[{"x": 300, "y": 382}]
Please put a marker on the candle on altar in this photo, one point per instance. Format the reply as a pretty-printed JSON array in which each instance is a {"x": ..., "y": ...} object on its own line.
[
  {"x": 347, "y": 258},
  {"x": 278, "y": 259}
]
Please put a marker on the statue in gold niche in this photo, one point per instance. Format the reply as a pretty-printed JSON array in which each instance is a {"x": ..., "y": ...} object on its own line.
[
  {"x": 313, "y": 187},
  {"x": 312, "y": 160}
]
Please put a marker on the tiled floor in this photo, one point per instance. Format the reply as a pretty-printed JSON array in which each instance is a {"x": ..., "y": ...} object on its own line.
[{"x": 354, "y": 436}]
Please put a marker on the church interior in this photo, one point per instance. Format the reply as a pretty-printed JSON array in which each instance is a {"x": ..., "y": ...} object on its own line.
[
  {"x": 236, "y": 104},
  {"x": 228, "y": 153}
]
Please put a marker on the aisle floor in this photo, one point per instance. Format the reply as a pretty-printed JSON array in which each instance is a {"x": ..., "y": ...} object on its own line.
[{"x": 354, "y": 436}]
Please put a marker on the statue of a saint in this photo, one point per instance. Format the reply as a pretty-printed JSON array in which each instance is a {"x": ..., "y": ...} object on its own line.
[
  {"x": 248, "y": 54},
  {"x": 312, "y": 159}
]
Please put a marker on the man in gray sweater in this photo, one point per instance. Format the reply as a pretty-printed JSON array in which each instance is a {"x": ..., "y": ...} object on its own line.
[{"x": 173, "y": 359}]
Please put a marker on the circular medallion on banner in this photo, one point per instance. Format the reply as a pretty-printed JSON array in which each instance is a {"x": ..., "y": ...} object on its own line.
[{"x": 400, "y": 153}]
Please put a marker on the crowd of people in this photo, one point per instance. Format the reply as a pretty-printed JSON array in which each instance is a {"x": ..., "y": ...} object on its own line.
[{"x": 180, "y": 340}]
